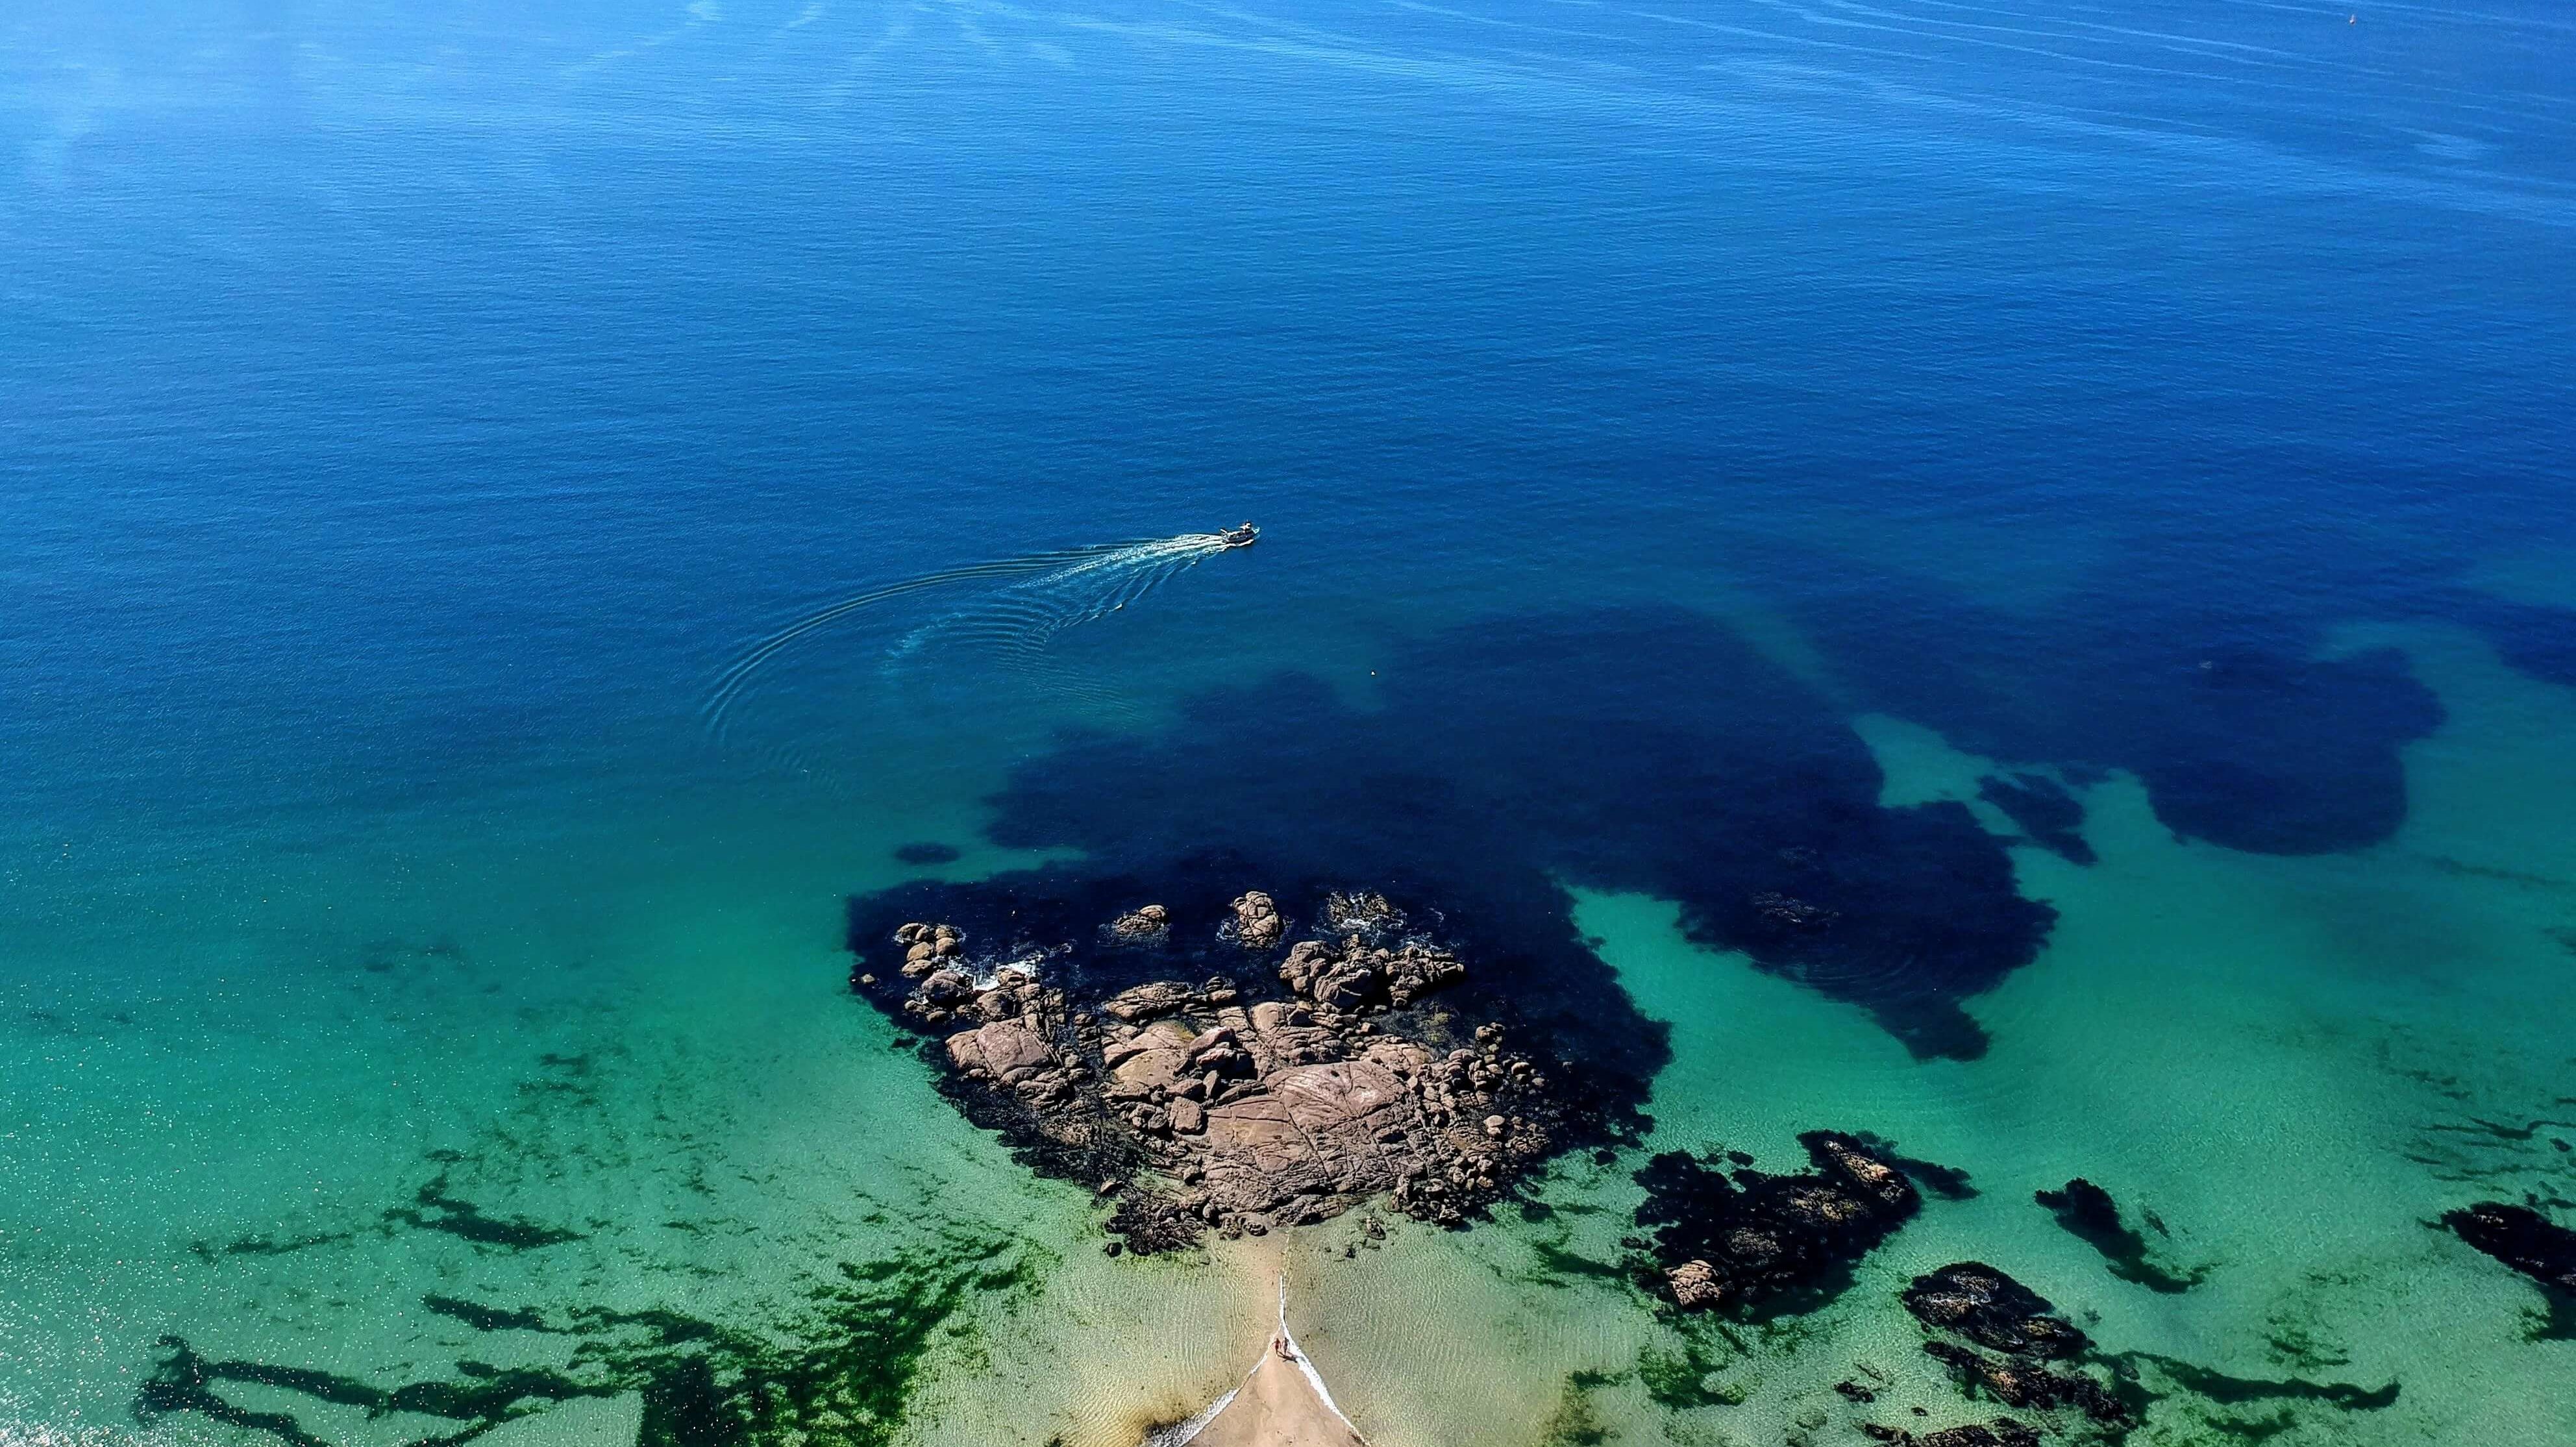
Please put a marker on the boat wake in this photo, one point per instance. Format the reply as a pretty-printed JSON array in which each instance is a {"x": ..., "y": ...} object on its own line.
[{"x": 1019, "y": 607}]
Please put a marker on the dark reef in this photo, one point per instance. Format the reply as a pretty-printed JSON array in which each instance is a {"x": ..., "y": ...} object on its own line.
[
  {"x": 1746, "y": 1240},
  {"x": 2532, "y": 1244},
  {"x": 927, "y": 852},
  {"x": 1646, "y": 749},
  {"x": 2088, "y": 1212},
  {"x": 2221, "y": 701},
  {"x": 2052, "y": 817},
  {"x": 2021, "y": 1335},
  {"x": 2000, "y": 1339}
]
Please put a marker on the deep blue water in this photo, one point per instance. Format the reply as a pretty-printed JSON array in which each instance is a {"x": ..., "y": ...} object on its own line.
[{"x": 406, "y": 411}]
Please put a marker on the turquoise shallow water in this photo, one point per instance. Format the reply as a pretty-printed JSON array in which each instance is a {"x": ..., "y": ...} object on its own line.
[{"x": 1680, "y": 434}]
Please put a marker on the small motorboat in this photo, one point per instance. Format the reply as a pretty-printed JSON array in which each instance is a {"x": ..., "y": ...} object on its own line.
[{"x": 1243, "y": 536}]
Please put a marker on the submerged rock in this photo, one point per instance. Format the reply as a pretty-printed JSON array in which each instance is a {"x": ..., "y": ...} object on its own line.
[
  {"x": 1982, "y": 1305},
  {"x": 1976, "y": 1301},
  {"x": 1737, "y": 1239},
  {"x": 2088, "y": 1212},
  {"x": 2522, "y": 1239}
]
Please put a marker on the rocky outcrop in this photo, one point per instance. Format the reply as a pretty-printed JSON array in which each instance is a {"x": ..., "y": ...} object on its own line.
[
  {"x": 1352, "y": 975},
  {"x": 2023, "y": 1335},
  {"x": 1199, "y": 1108},
  {"x": 1973, "y": 1300},
  {"x": 1150, "y": 924},
  {"x": 1258, "y": 925},
  {"x": 1735, "y": 1239}
]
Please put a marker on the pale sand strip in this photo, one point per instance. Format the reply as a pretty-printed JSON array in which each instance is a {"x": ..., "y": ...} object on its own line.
[{"x": 1282, "y": 1403}]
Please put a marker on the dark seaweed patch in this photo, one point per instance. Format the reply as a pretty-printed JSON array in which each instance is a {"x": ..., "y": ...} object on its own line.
[
  {"x": 2229, "y": 1391},
  {"x": 2042, "y": 809},
  {"x": 270, "y": 1246},
  {"x": 2088, "y": 1213},
  {"x": 1576, "y": 1422},
  {"x": 433, "y": 1209},
  {"x": 843, "y": 1369},
  {"x": 486, "y": 1318},
  {"x": 927, "y": 853},
  {"x": 1559, "y": 1265},
  {"x": 2218, "y": 701},
  {"x": 1678, "y": 1381},
  {"x": 1644, "y": 750}
]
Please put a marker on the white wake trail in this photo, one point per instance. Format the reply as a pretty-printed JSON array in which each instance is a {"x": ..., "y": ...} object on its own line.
[{"x": 1039, "y": 597}]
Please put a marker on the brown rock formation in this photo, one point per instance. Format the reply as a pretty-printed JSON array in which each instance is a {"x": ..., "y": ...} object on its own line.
[{"x": 1204, "y": 1112}]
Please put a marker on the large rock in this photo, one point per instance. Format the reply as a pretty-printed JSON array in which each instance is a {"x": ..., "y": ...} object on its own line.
[
  {"x": 1202, "y": 1109},
  {"x": 1258, "y": 925},
  {"x": 1354, "y": 976},
  {"x": 1976, "y": 1301},
  {"x": 1147, "y": 1001},
  {"x": 1007, "y": 1050},
  {"x": 1156, "y": 1059}
]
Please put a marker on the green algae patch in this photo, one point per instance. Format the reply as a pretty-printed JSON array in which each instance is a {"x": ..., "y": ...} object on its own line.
[
  {"x": 842, "y": 1369},
  {"x": 1678, "y": 1381},
  {"x": 433, "y": 1209}
]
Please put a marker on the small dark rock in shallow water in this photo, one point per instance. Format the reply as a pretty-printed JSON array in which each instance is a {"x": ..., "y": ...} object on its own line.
[
  {"x": 2520, "y": 1238},
  {"x": 1739, "y": 1241},
  {"x": 1973, "y": 1300},
  {"x": 2087, "y": 1211},
  {"x": 927, "y": 853},
  {"x": 2022, "y": 1382},
  {"x": 2529, "y": 1243}
]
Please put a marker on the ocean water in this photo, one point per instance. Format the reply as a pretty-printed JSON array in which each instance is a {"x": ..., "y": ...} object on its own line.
[{"x": 1689, "y": 439}]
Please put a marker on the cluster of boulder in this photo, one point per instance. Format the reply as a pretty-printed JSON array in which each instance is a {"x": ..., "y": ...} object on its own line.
[
  {"x": 1735, "y": 1239},
  {"x": 2002, "y": 1338},
  {"x": 1738, "y": 1239},
  {"x": 1202, "y": 1107}
]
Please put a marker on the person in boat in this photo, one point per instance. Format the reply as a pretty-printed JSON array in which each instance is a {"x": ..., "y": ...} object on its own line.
[{"x": 1240, "y": 537}]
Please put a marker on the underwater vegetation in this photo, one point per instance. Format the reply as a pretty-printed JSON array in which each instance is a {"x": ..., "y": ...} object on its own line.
[
  {"x": 1641, "y": 749},
  {"x": 2230, "y": 708},
  {"x": 840, "y": 1368}
]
